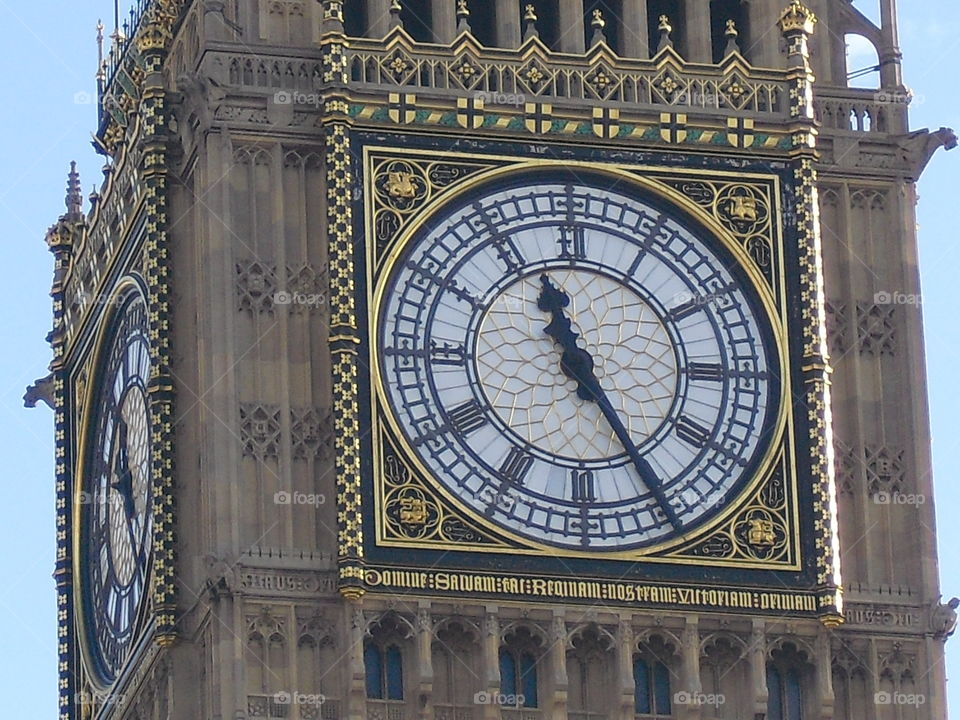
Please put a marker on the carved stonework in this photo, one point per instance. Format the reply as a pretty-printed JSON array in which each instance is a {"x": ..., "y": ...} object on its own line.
[
  {"x": 838, "y": 328},
  {"x": 256, "y": 287},
  {"x": 260, "y": 430},
  {"x": 311, "y": 432},
  {"x": 846, "y": 467},
  {"x": 884, "y": 465},
  {"x": 876, "y": 329}
]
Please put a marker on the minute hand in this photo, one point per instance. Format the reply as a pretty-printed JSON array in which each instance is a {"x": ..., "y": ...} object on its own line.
[{"x": 577, "y": 364}]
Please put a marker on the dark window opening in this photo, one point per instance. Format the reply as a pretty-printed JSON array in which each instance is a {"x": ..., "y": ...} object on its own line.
[
  {"x": 722, "y": 11},
  {"x": 652, "y": 687},
  {"x": 785, "y": 694},
  {"x": 548, "y": 21},
  {"x": 612, "y": 11},
  {"x": 518, "y": 677},
  {"x": 384, "y": 671},
  {"x": 656, "y": 9},
  {"x": 483, "y": 22},
  {"x": 355, "y": 18},
  {"x": 417, "y": 20}
]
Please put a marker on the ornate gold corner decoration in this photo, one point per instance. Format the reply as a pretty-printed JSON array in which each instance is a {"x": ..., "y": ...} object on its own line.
[
  {"x": 412, "y": 514},
  {"x": 745, "y": 209},
  {"x": 764, "y": 530},
  {"x": 403, "y": 184}
]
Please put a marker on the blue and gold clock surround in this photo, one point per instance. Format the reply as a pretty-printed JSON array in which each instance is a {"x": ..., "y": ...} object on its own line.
[
  {"x": 114, "y": 494},
  {"x": 490, "y": 458}
]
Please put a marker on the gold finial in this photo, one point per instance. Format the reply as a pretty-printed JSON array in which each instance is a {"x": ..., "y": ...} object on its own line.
[
  {"x": 395, "y": 9},
  {"x": 665, "y": 29},
  {"x": 463, "y": 17},
  {"x": 598, "y": 23},
  {"x": 731, "y": 34},
  {"x": 530, "y": 19},
  {"x": 797, "y": 18}
]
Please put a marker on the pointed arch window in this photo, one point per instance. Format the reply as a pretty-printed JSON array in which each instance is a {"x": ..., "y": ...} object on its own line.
[{"x": 519, "y": 660}]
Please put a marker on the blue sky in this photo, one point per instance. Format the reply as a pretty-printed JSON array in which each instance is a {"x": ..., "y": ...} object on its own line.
[{"x": 49, "y": 51}]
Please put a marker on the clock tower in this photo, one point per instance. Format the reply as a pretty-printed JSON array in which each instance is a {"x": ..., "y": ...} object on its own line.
[{"x": 461, "y": 360}]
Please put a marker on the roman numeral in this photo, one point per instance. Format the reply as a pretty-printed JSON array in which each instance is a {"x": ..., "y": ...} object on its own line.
[
  {"x": 573, "y": 242},
  {"x": 467, "y": 418},
  {"x": 516, "y": 466},
  {"x": 692, "y": 432},
  {"x": 583, "y": 487},
  {"x": 712, "y": 372},
  {"x": 686, "y": 309},
  {"x": 447, "y": 354}
]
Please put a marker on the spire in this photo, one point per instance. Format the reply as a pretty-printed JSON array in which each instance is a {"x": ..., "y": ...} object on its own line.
[
  {"x": 74, "y": 199},
  {"x": 101, "y": 67},
  {"x": 463, "y": 17},
  {"x": 598, "y": 24},
  {"x": 530, "y": 22},
  {"x": 731, "y": 34},
  {"x": 665, "y": 29},
  {"x": 395, "y": 9}
]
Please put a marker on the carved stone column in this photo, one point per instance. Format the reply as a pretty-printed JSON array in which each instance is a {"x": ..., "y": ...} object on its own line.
[
  {"x": 572, "y": 38},
  {"x": 695, "y": 31},
  {"x": 758, "y": 668},
  {"x": 558, "y": 667},
  {"x": 890, "y": 55},
  {"x": 444, "y": 18},
  {"x": 636, "y": 41},
  {"x": 425, "y": 658},
  {"x": 357, "y": 691},
  {"x": 690, "y": 674},
  {"x": 508, "y": 23},
  {"x": 825, "y": 675},
  {"x": 627, "y": 687},
  {"x": 491, "y": 660}
]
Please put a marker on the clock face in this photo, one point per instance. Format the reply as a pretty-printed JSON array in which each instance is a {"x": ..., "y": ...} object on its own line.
[
  {"x": 578, "y": 364},
  {"x": 117, "y": 505}
]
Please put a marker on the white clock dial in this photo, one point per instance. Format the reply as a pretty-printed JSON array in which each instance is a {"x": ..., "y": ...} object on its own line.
[{"x": 578, "y": 364}]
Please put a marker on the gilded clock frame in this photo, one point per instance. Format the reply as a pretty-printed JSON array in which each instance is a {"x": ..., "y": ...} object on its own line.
[
  {"x": 780, "y": 454},
  {"x": 92, "y": 372}
]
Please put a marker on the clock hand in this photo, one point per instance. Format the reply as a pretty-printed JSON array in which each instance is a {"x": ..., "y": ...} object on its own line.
[
  {"x": 578, "y": 364},
  {"x": 124, "y": 482}
]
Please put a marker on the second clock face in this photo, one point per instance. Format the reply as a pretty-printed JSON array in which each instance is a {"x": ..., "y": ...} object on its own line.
[
  {"x": 577, "y": 364},
  {"x": 118, "y": 516}
]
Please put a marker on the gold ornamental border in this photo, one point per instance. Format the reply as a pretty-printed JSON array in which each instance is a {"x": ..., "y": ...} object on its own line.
[
  {"x": 105, "y": 334},
  {"x": 776, "y": 315}
]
